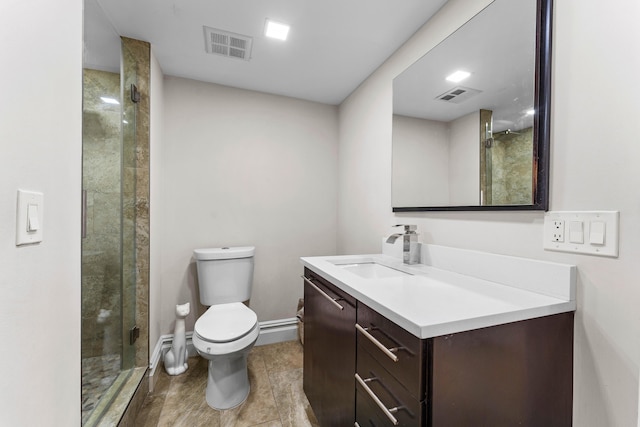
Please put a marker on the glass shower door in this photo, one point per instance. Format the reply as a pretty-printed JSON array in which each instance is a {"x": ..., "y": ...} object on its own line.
[
  {"x": 108, "y": 243},
  {"x": 101, "y": 242}
]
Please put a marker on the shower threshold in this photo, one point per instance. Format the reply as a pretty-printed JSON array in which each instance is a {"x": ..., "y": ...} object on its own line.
[{"x": 113, "y": 404}]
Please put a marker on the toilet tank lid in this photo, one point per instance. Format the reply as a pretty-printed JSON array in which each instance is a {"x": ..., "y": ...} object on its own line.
[{"x": 224, "y": 253}]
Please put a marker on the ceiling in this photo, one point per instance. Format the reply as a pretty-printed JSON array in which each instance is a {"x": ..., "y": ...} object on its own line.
[
  {"x": 333, "y": 45},
  {"x": 498, "y": 47}
]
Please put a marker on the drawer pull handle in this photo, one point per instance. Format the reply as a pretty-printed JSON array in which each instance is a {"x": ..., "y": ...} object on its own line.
[
  {"x": 388, "y": 351},
  {"x": 387, "y": 411},
  {"x": 323, "y": 293}
]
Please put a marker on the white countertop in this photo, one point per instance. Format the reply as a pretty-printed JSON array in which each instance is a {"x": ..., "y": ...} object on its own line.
[{"x": 433, "y": 301}]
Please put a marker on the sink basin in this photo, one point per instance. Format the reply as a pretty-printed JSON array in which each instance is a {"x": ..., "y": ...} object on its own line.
[{"x": 372, "y": 270}]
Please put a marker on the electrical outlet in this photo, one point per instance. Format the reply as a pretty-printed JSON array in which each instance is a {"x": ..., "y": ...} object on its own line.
[{"x": 557, "y": 234}]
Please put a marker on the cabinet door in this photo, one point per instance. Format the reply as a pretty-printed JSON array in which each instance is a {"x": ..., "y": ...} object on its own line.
[
  {"x": 329, "y": 352},
  {"x": 517, "y": 374}
]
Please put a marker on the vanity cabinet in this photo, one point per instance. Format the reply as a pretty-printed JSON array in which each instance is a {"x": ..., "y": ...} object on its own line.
[
  {"x": 518, "y": 373},
  {"x": 329, "y": 351},
  {"x": 362, "y": 369}
]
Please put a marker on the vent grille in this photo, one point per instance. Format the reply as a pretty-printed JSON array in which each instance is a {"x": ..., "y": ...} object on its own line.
[
  {"x": 458, "y": 95},
  {"x": 225, "y": 43}
]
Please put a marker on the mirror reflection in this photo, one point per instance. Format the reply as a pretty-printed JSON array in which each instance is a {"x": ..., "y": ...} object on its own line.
[{"x": 464, "y": 116}]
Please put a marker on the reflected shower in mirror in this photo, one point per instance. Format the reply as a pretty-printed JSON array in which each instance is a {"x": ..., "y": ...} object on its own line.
[{"x": 471, "y": 117}]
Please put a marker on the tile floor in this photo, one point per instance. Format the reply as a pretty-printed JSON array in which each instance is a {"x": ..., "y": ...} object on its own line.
[{"x": 276, "y": 398}]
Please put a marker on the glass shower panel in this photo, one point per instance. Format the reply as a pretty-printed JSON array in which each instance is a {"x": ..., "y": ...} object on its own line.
[
  {"x": 101, "y": 242},
  {"x": 486, "y": 142},
  {"x": 130, "y": 330},
  {"x": 106, "y": 354},
  {"x": 115, "y": 242}
]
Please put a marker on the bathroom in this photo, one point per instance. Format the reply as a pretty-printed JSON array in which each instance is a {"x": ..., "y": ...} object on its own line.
[{"x": 347, "y": 214}]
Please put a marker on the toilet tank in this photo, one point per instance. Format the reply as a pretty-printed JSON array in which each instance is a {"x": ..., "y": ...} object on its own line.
[{"x": 224, "y": 274}]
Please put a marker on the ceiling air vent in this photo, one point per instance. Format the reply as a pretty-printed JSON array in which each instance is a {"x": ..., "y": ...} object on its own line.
[
  {"x": 458, "y": 95},
  {"x": 228, "y": 44}
]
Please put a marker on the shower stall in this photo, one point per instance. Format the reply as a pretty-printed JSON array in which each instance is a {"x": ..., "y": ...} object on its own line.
[
  {"x": 506, "y": 174},
  {"x": 114, "y": 218}
]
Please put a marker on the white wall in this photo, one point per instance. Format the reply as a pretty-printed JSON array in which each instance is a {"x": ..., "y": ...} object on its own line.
[
  {"x": 156, "y": 125},
  {"x": 40, "y": 149},
  {"x": 595, "y": 150},
  {"x": 364, "y": 199},
  {"x": 464, "y": 160},
  {"x": 244, "y": 168},
  {"x": 420, "y": 162},
  {"x": 435, "y": 163}
]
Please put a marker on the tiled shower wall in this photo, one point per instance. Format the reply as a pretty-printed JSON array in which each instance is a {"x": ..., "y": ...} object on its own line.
[
  {"x": 101, "y": 247},
  {"x": 512, "y": 181}
]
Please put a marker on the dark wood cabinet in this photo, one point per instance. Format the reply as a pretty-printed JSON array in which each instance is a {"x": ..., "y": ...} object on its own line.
[
  {"x": 360, "y": 366},
  {"x": 391, "y": 376},
  {"x": 516, "y": 374},
  {"x": 329, "y": 351}
]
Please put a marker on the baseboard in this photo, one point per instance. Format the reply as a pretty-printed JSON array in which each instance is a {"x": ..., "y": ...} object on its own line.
[
  {"x": 271, "y": 332},
  {"x": 162, "y": 346}
]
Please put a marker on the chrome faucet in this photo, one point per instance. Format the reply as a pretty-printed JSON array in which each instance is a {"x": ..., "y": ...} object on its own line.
[{"x": 410, "y": 247}]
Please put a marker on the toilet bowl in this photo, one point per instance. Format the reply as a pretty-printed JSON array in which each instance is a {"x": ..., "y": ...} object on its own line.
[
  {"x": 224, "y": 335},
  {"x": 228, "y": 330}
]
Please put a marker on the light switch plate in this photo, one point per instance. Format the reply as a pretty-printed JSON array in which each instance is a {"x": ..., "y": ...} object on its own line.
[
  {"x": 606, "y": 230},
  {"x": 29, "y": 230}
]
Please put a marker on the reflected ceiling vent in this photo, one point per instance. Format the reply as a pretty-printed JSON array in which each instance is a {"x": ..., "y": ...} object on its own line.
[
  {"x": 227, "y": 44},
  {"x": 458, "y": 95}
]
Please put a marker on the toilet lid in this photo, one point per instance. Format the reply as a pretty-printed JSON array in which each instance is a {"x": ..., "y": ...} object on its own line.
[{"x": 225, "y": 322}]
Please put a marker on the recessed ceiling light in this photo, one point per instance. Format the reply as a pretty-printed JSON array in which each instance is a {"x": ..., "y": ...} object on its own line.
[
  {"x": 458, "y": 76},
  {"x": 107, "y": 100},
  {"x": 276, "y": 30},
  {"x": 531, "y": 112}
]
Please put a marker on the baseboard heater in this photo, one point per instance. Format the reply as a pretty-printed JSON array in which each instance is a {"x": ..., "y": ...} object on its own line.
[{"x": 271, "y": 332}]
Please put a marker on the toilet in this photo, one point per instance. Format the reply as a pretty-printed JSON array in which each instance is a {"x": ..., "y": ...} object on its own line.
[{"x": 227, "y": 331}]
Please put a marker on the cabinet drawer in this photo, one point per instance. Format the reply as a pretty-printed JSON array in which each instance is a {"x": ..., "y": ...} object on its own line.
[
  {"x": 410, "y": 351},
  {"x": 406, "y": 409},
  {"x": 367, "y": 415},
  {"x": 329, "y": 288}
]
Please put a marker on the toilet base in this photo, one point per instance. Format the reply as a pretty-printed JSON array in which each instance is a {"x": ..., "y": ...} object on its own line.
[{"x": 227, "y": 381}]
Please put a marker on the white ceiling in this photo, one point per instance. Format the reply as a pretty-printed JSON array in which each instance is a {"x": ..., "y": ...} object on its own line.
[
  {"x": 332, "y": 47},
  {"x": 498, "y": 47}
]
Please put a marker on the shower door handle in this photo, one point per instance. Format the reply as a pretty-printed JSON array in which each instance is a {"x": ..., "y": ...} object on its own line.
[{"x": 83, "y": 224}]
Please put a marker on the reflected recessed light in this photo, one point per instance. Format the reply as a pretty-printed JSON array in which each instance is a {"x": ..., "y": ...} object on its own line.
[
  {"x": 458, "y": 76},
  {"x": 276, "y": 30},
  {"x": 531, "y": 112},
  {"x": 110, "y": 100}
]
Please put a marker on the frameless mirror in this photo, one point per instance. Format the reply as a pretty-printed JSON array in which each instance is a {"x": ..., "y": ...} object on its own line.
[{"x": 478, "y": 140}]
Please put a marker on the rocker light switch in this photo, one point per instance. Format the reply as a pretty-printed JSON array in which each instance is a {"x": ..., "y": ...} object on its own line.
[
  {"x": 576, "y": 233},
  {"x": 32, "y": 218},
  {"x": 29, "y": 217},
  {"x": 596, "y": 234}
]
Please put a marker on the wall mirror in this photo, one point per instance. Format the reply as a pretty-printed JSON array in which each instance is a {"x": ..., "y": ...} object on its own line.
[{"x": 478, "y": 140}]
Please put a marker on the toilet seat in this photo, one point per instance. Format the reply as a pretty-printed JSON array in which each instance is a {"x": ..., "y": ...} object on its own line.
[
  {"x": 225, "y": 328},
  {"x": 225, "y": 322}
]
